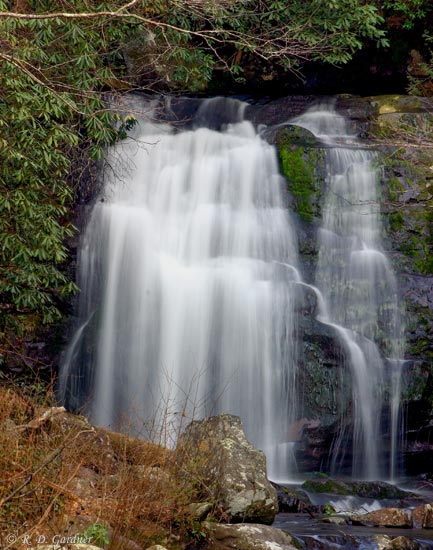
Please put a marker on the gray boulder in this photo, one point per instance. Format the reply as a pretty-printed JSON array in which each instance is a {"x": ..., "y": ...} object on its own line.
[
  {"x": 230, "y": 472},
  {"x": 247, "y": 537}
]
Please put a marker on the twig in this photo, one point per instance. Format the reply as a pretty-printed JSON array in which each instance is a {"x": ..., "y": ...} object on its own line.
[{"x": 29, "y": 479}]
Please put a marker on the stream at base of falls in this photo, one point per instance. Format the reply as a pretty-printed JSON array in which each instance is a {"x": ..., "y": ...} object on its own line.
[
  {"x": 333, "y": 531},
  {"x": 318, "y": 535}
]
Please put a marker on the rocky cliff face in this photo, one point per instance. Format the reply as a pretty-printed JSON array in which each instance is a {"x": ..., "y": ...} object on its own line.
[
  {"x": 400, "y": 129},
  {"x": 407, "y": 185}
]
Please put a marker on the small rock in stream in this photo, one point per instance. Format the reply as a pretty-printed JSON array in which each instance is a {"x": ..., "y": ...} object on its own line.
[{"x": 422, "y": 516}]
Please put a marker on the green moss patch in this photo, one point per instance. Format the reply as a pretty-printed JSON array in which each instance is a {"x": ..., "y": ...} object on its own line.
[
  {"x": 330, "y": 486},
  {"x": 299, "y": 173}
]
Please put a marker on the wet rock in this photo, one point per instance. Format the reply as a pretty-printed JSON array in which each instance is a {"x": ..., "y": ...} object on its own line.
[
  {"x": 281, "y": 110},
  {"x": 305, "y": 299},
  {"x": 292, "y": 134},
  {"x": 231, "y": 472},
  {"x": 376, "y": 489},
  {"x": 417, "y": 516},
  {"x": 386, "y": 517},
  {"x": 427, "y": 522},
  {"x": 325, "y": 390},
  {"x": 293, "y": 501},
  {"x": 326, "y": 485},
  {"x": 402, "y": 543},
  {"x": 422, "y": 516},
  {"x": 367, "y": 489},
  {"x": 287, "y": 501},
  {"x": 247, "y": 537}
]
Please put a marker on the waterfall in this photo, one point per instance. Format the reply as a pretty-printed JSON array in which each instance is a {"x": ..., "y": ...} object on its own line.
[
  {"x": 186, "y": 306},
  {"x": 188, "y": 271},
  {"x": 360, "y": 292}
]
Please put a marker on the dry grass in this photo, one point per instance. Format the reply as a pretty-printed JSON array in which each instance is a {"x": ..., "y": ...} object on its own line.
[{"x": 61, "y": 476}]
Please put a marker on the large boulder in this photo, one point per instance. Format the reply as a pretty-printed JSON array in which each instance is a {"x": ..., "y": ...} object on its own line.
[
  {"x": 229, "y": 470},
  {"x": 247, "y": 537}
]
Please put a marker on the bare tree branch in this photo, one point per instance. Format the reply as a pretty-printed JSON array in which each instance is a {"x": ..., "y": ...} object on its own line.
[{"x": 266, "y": 47}]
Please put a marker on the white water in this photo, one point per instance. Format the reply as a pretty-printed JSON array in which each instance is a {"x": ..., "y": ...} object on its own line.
[
  {"x": 360, "y": 294},
  {"x": 182, "y": 267},
  {"x": 188, "y": 269}
]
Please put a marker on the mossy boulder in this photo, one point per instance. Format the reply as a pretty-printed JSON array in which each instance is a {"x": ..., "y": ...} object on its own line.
[
  {"x": 376, "y": 489},
  {"x": 326, "y": 485},
  {"x": 366, "y": 489}
]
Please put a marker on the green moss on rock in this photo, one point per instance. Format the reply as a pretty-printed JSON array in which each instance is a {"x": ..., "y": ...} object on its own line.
[
  {"x": 367, "y": 489},
  {"x": 301, "y": 160},
  {"x": 328, "y": 485},
  {"x": 300, "y": 179},
  {"x": 396, "y": 221},
  {"x": 328, "y": 509},
  {"x": 409, "y": 204}
]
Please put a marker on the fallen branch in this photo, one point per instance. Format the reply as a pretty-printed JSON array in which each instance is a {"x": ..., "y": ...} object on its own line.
[{"x": 37, "y": 422}]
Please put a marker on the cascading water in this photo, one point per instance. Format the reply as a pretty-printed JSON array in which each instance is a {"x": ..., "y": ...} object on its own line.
[
  {"x": 186, "y": 306},
  {"x": 360, "y": 294},
  {"x": 188, "y": 272}
]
